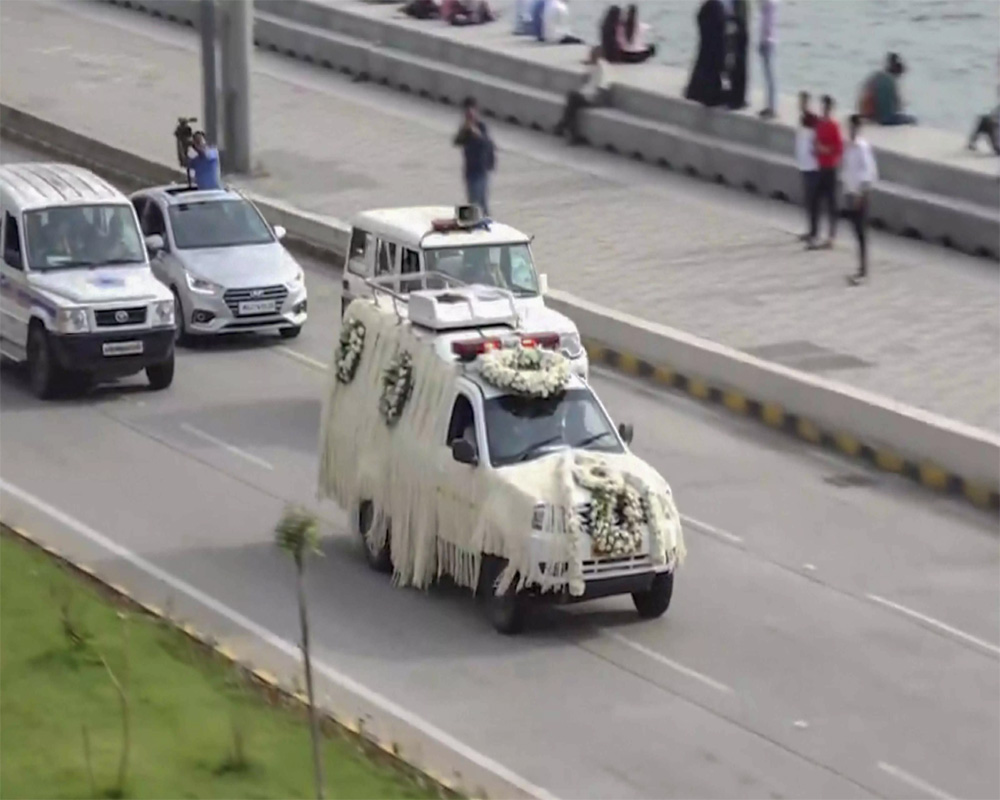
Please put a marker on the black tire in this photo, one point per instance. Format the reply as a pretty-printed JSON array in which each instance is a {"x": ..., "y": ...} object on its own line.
[
  {"x": 161, "y": 375},
  {"x": 655, "y": 602},
  {"x": 506, "y": 612},
  {"x": 379, "y": 559},
  {"x": 182, "y": 337},
  {"x": 290, "y": 333},
  {"x": 43, "y": 373}
]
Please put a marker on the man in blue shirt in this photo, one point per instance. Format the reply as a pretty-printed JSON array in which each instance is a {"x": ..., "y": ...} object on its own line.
[
  {"x": 205, "y": 163},
  {"x": 479, "y": 155}
]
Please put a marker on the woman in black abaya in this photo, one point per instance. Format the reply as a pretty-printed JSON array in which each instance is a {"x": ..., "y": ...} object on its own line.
[
  {"x": 705, "y": 85},
  {"x": 739, "y": 40}
]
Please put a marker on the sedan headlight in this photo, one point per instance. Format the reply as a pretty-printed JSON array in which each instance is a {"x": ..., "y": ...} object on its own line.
[
  {"x": 163, "y": 312},
  {"x": 297, "y": 281},
  {"x": 570, "y": 344},
  {"x": 72, "y": 320},
  {"x": 200, "y": 285}
]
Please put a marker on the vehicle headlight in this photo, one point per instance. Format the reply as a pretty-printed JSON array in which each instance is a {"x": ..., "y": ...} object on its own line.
[
  {"x": 163, "y": 312},
  {"x": 200, "y": 285},
  {"x": 297, "y": 281},
  {"x": 570, "y": 344},
  {"x": 72, "y": 320}
]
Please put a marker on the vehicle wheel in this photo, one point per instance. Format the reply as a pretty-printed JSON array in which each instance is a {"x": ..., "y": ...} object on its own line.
[
  {"x": 290, "y": 333},
  {"x": 507, "y": 612},
  {"x": 43, "y": 372},
  {"x": 161, "y": 375},
  {"x": 379, "y": 558},
  {"x": 655, "y": 602},
  {"x": 182, "y": 337}
]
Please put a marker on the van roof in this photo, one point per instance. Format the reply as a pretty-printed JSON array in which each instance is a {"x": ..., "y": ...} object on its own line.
[
  {"x": 35, "y": 185},
  {"x": 413, "y": 226}
]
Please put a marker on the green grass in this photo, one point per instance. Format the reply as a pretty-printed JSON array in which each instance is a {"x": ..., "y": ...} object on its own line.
[{"x": 185, "y": 706}]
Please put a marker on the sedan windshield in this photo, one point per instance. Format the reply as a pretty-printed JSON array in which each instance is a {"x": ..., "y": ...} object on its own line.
[
  {"x": 82, "y": 236},
  {"x": 217, "y": 223},
  {"x": 520, "y": 429},
  {"x": 508, "y": 266}
]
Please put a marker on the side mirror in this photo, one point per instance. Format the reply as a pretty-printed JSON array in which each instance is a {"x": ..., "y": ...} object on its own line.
[
  {"x": 13, "y": 259},
  {"x": 626, "y": 432},
  {"x": 543, "y": 283},
  {"x": 155, "y": 243},
  {"x": 280, "y": 232},
  {"x": 464, "y": 452}
]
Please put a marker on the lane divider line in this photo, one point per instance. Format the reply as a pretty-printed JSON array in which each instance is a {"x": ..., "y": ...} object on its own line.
[
  {"x": 711, "y": 530},
  {"x": 914, "y": 782},
  {"x": 668, "y": 662},
  {"x": 229, "y": 448},
  {"x": 934, "y": 623},
  {"x": 309, "y": 361},
  {"x": 346, "y": 683}
]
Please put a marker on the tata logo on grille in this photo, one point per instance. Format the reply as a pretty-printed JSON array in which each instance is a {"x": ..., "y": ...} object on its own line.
[
  {"x": 256, "y": 292},
  {"x": 121, "y": 316}
]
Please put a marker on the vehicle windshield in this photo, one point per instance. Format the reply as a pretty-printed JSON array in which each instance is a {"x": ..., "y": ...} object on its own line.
[
  {"x": 66, "y": 237},
  {"x": 217, "y": 223},
  {"x": 520, "y": 429},
  {"x": 508, "y": 266}
]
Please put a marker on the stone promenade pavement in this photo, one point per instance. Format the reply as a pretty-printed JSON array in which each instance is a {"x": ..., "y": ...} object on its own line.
[{"x": 712, "y": 261}]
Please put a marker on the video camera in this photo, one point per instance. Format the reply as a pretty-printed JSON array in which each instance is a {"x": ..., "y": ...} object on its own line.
[{"x": 184, "y": 135}]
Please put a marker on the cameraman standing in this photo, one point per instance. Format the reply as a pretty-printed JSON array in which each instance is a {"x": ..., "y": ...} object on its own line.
[{"x": 205, "y": 163}]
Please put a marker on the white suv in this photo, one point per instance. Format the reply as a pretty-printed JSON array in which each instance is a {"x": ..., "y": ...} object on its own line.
[
  {"x": 78, "y": 301},
  {"x": 225, "y": 265}
]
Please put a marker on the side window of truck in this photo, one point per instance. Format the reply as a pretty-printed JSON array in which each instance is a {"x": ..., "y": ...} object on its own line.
[
  {"x": 386, "y": 262},
  {"x": 463, "y": 421},
  {"x": 12, "y": 242},
  {"x": 408, "y": 264},
  {"x": 362, "y": 245}
]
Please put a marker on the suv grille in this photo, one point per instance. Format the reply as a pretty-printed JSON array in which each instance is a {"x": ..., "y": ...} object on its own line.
[
  {"x": 234, "y": 297},
  {"x": 114, "y": 317}
]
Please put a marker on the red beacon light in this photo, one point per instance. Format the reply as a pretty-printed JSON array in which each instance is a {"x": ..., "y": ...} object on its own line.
[{"x": 471, "y": 349}]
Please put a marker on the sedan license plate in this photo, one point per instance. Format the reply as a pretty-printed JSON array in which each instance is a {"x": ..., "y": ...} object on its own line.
[
  {"x": 258, "y": 307},
  {"x": 122, "y": 348}
]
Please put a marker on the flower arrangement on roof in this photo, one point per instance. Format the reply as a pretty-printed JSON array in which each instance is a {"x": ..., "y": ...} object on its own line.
[
  {"x": 349, "y": 350},
  {"x": 528, "y": 371}
]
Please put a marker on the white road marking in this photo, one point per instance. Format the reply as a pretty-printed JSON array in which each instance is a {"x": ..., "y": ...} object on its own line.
[
  {"x": 934, "y": 623},
  {"x": 283, "y": 645},
  {"x": 914, "y": 782},
  {"x": 711, "y": 530},
  {"x": 667, "y": 662},
  {"x": 302, "y": 357},
  {"x": 199, "y": 433}
]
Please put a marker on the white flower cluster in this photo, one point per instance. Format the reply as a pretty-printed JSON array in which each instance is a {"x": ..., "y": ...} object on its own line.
[
  {"x": 352, "y": 345},
  {"x": 525, "y": 370},
  {"x": 617, "y": 516},
  {"x": 397, "y": 383}
]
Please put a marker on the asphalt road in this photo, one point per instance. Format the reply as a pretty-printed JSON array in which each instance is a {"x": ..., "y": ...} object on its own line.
[{"x": 834, "y": 632}]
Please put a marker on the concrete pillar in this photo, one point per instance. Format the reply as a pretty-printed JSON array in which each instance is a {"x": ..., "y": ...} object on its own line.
[
  {"x": 210, "y": 82},
  {"x": 236, "y": 35}
]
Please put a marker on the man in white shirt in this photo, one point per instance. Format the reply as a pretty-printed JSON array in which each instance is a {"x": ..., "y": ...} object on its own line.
[
  {"x": 555, "y": 24},
  {"x": 858, "y": 174},
  {"x": 766, "y": 46},
  {"x": 594, "y": 92}
]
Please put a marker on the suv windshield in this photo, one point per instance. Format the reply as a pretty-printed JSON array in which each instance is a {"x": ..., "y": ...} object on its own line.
[
  {"x": 217, "y": 223},
  {"x": 82, "y": 236},
  {"x": 508, "y": 266},
  {"x": 520, "y": 429}
]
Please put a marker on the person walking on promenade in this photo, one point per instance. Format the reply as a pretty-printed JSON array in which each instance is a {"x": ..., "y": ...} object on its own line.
[
  {"x": 859, "y": 175},
  {"x": 479, "y": 155},
  {"x": 766, "y": 46},
  {"x": 593, "y": 92},
  {"x": 738, "y": 42},
  {"x": 805, "y": 160},
  {"x": 705, "y": 84},
  {"x": 829, "y": 151}
]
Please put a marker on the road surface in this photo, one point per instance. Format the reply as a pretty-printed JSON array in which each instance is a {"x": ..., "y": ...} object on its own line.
[{"x": 832, "y": 634}]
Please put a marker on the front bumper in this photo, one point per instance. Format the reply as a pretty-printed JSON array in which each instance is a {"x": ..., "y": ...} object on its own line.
[
  {"x": 85, "y": 352},
  {"x": 209, "y": 315}
]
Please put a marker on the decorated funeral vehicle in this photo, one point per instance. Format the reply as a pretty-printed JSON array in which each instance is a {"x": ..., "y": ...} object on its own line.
[
  {"x": 462, "y": 446},
  {"x": 457, "y": 242}
]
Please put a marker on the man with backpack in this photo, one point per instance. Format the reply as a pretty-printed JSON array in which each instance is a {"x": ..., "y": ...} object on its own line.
[{"x": 479, "y": 155}]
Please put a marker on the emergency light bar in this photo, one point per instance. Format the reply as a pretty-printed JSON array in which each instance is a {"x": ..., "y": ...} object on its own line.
[{"x": 471, "y": 349}]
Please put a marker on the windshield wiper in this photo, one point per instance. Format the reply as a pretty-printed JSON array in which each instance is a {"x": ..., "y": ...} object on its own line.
[
  {"x": 592, "y": 439},
  {"x": 113, "y": 261},
  {"x": 533, "y": 448}
]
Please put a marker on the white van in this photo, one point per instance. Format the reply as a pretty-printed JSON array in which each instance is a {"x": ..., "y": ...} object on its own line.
[
  {"x": 460, "y": 446},
  {"x": 78, "y": 301},
  {"x": 459, "y": 243}
]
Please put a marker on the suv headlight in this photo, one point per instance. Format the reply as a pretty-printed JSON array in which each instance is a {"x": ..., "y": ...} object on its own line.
[
  {"x": 200, "y": 285},
  {"x": 570, "y": 344},
  {"x": 72, "y": 320},
  {"x": 163, "y": 312}
]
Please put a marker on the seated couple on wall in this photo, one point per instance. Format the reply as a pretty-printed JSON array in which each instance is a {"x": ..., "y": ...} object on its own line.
[{"x": 454, "y": 12}]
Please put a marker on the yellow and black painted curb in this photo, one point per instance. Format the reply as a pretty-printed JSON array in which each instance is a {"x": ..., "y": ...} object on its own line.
[
  {"x": 262, "y": 678},
  {"x": 774, "y": 416}
]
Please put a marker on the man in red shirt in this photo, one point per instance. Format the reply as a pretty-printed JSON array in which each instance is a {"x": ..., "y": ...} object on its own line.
[{"x": 829, "y": 150}]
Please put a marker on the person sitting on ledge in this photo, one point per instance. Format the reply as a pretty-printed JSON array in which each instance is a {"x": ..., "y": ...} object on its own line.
[
  {"x": 593, "y": 92},
  {"x": 466, "y": 12},
  {"x": 423, "y": 9},
  {"x": 987, "y": 125},
  {"x": 881, "y": 100},
  {"x": 555, "y": 24},
  {"x": 631, "y": 37}
]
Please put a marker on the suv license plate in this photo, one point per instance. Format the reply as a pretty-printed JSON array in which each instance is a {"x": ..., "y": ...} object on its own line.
[
  {"x": 258, "y": 307},
  {"x": 122, "y": 348}
]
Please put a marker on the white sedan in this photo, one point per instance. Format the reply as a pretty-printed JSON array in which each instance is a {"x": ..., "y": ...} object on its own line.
[{"x": 225, "y": 265}]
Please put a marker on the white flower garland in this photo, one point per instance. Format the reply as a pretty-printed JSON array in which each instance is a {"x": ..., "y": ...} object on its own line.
[
  {"x": 352, "y": 345},
  {"x": 529, "y": 371},
  {"x": 616, "y": 516},
  {"x": 397, "y": 383}
]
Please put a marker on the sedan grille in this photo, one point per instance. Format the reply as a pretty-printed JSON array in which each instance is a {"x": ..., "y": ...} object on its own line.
[
  {"x": 114, "y": 317},
  {"x": 275, "y": 294}
]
